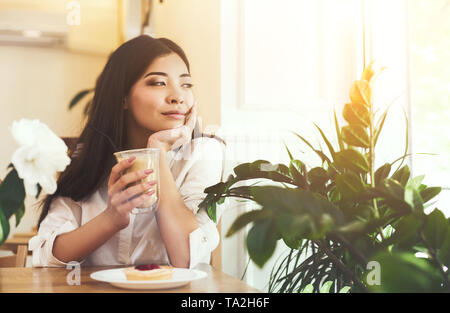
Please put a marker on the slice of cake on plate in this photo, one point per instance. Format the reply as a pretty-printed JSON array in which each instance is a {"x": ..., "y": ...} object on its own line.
[{"x": 149, "y": 272}]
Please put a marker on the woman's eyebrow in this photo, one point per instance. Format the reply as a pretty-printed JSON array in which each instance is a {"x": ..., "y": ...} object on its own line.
[{"x": 165, "y": 74}]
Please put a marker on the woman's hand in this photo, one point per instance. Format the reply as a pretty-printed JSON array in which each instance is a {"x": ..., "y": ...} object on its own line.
[
  {"x": 120, "y": 203},
  {"x": 170, "y": 139}
]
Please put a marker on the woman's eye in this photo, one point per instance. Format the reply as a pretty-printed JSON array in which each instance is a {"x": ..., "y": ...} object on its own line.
[
  {"x": 188, "y": 85},
  {"x": 157, "y": 83}
]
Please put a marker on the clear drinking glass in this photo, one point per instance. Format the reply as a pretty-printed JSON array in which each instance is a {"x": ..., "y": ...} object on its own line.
[{"x": 147, "y": 158}]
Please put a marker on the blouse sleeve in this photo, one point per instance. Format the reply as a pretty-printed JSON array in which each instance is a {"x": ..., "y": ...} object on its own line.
[
  {"x": 207, "y": 170},
  {"x": 60, "y": 219}
]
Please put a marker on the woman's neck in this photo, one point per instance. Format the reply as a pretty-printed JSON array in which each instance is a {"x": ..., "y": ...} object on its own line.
[{"x": 137, "y": 137}]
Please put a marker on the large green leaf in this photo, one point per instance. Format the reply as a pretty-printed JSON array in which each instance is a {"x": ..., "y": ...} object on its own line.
[
  {"x": 392, "y": 193},
  {"x": 211, "y": 209},
  {"x": 12, "y": 194},
  {"x": 294, "y": 228},
  {"x": 318, "y": 176},
  {"x": 4, "y": 227},
  {"x": 284, "y": 199},
  {"x": 296, "y": 169},
  {"x": 349, "y": 185},
  {"x": 406, "y": 232},
  {"x": 352, "y": 160},
  {"x": 356, "y": 114},
  {"x": 444, "y": 250},
  {"x": 356, "y": 135},
  {"x": 436, "y": 227},
  {"x": 20, "y": 213},
  {"x": 218, "y": 188},
  {"x": 412, "y": 193},
  {"x": 402, "y": 175},
  {"x": 246, "y": 218},
  {"x": 404, "y": 272},
  {"x": 263, "y": 169},
  {"x": 382, "y": 173},
  {"x": 80, "y": 95},
  {"x": 429, "y": 193},
  {"x": 261, "y": 241}
]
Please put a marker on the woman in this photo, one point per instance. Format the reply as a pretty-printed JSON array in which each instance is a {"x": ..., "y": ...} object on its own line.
[{"x": 88, "y": 218}]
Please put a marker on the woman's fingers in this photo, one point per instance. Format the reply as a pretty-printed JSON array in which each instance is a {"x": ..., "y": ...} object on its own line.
[
  {"x": 118, "y": 168},
  {"x": 190, "y": 121},
  {"x": 127, "y": 179},
  {"x": 135, "y": 202},
  {"x": 133, "y": 191}
]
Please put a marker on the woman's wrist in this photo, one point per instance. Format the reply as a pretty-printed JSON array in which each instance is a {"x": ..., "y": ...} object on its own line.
[
  {"x": 114, "y": 221},
  {"x": 154, "y": 143}
]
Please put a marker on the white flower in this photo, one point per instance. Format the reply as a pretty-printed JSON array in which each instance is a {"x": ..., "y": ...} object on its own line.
[{"x": 40, "y": 156}]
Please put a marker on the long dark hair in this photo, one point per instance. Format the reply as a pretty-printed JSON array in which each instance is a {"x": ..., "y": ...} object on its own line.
[{"x": 105, "y": 130}]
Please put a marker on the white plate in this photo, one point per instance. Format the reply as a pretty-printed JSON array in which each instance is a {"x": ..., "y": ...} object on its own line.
[{"x": 180, "y": 277}]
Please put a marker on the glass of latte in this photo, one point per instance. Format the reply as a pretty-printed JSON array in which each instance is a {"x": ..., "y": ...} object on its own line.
[{"x": 147, "y": 158}]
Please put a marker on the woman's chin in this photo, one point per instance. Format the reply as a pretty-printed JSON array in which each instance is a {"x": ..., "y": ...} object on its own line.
[{"x": 172, "y": 125}]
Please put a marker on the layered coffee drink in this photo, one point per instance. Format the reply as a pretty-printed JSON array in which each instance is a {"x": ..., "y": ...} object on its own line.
[{"x": 145, "y": 159}]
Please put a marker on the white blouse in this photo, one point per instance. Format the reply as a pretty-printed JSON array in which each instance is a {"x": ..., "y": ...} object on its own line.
[{"x": 194, "y": 166}]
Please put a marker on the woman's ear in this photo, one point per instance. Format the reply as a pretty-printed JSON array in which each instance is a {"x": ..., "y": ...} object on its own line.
[{"x": 125, "y": 103}]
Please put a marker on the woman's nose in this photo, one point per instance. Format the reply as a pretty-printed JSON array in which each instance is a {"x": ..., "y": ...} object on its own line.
[{"x": 176, "y": 100}]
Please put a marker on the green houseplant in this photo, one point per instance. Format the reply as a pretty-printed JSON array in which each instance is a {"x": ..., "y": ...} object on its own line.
[{"x": 345, "y": 221}]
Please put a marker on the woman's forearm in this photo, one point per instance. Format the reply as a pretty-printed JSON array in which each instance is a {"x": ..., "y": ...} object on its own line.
[
  {"x": 175, "y": 220},
  {"x": 79, "y": 243}
]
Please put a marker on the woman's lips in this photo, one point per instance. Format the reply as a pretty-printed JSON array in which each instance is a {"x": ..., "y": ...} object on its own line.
[{"x": 175, "y": 116}]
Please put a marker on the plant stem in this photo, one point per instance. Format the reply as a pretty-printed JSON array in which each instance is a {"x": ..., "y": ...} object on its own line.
[
  {"x": 372, "y": 160},
  {"x": 341, "y": 266},
  {"x": 338, "y": 238}
]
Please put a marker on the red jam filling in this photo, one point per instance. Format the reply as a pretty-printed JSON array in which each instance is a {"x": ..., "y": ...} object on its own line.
[{"x": 147, "y": 267}]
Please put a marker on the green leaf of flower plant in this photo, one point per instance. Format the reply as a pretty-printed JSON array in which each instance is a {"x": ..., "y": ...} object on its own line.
[
  {"x": 4, "y": 226},
  {"x": 308, "y": 289},
  {"x": 345, "y": 289},
  {"x": 436, "y": 228},
  {"x": 80, "y": 95},
  {"x": 326, "y": 287},
  {"x": 404, "y": 272},
  {"x": 382, "y": 173},
  {"x": 294, "y": 228},
  {"x": 429, "y": 193},
  {"x": 261, "y": 241},
  {"x": 349, "y": 185},
  {"x": 356, "y": 114},
  {"x": 402, "y": 175},
  {"x": 352, "y": 160},
  {"x": 19, "y": 214},
  {"x": 444, "y": 250},
  {"x": 211, "y": 209},
  {"x": 355, "y": 135},
  {"x": 12, "y": 194},
  {"x": 246, "y": 218}
]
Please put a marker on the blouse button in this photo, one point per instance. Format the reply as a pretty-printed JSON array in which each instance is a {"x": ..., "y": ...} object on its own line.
[{"x": 204, "y": 239}]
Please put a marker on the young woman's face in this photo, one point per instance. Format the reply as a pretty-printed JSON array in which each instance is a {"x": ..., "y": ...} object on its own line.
[{"x": 165, "y": 86}]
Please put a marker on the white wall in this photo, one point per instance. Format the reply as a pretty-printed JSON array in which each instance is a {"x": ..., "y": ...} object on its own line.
[
  {"x": 194, "y": 25},
  {"x": 38, "y": 83}
]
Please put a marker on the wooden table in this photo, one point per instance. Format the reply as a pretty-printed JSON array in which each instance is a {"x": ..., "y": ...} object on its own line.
[{"x": 54, "y": 280}]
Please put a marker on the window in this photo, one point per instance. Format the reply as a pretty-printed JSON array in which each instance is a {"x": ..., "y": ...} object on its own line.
[{"x": 429, "y": 46}]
